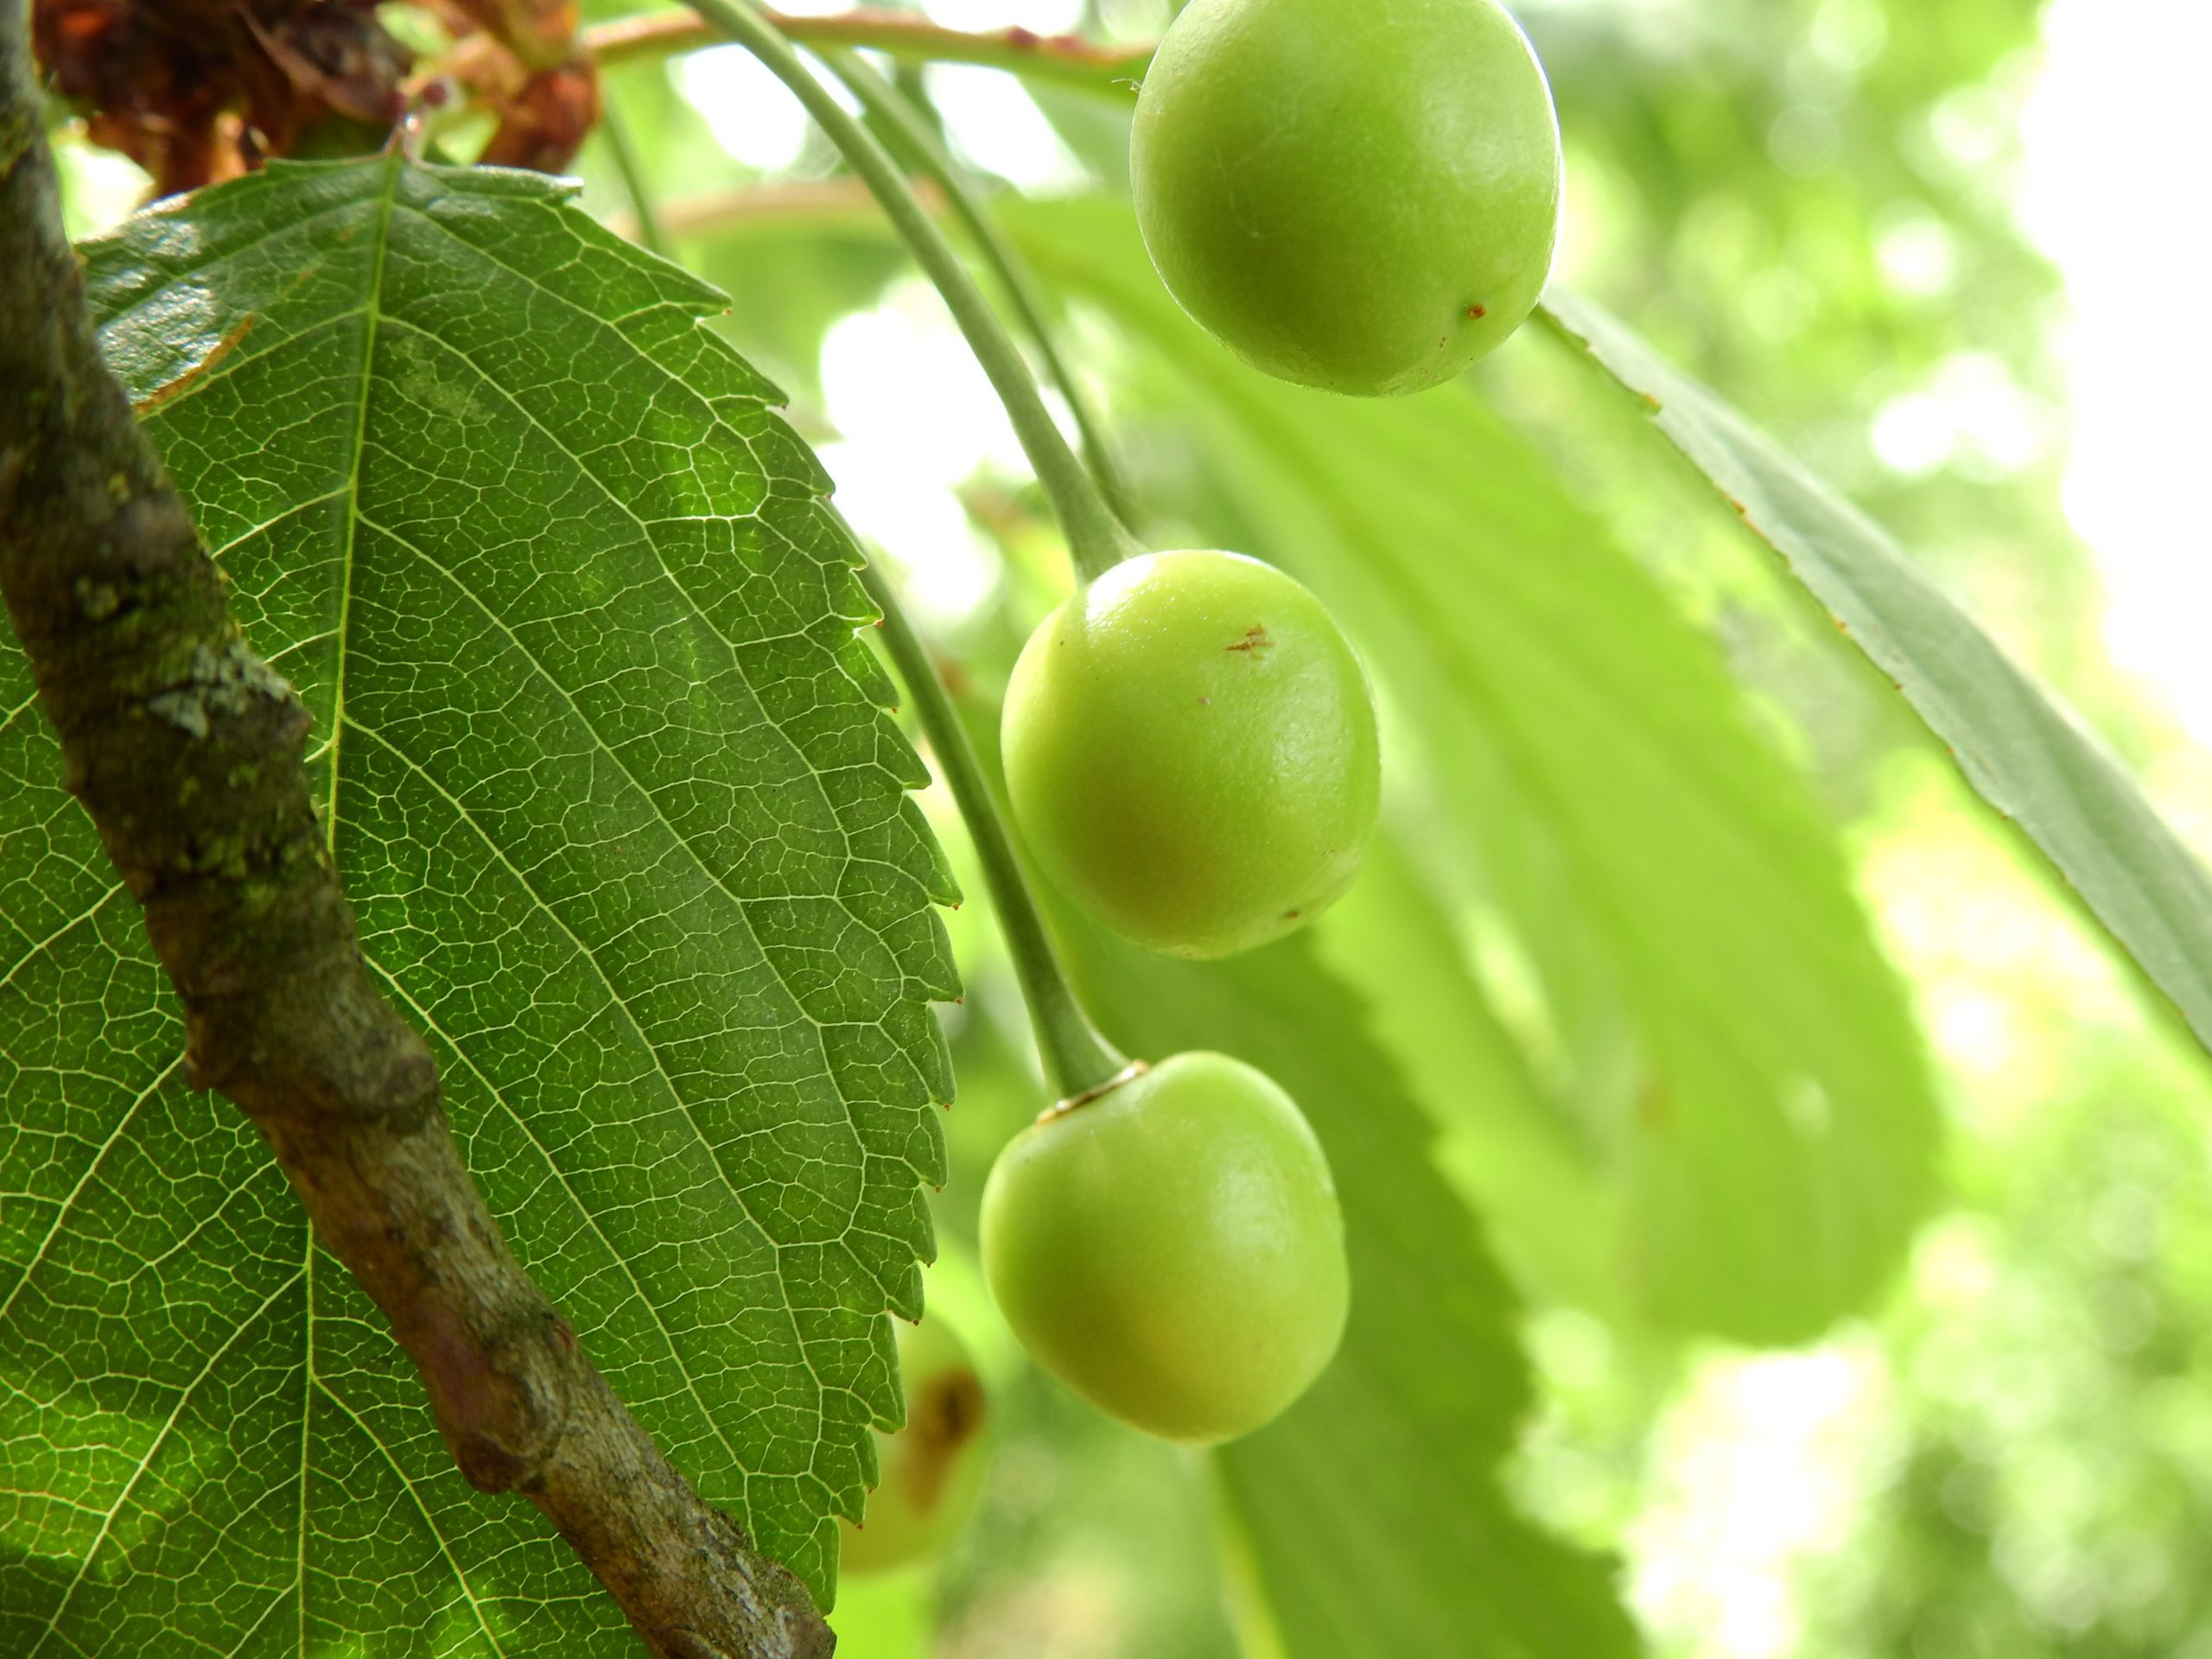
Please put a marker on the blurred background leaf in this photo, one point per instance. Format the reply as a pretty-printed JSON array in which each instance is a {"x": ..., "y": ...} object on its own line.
[{"x": 2025, "y": 754}]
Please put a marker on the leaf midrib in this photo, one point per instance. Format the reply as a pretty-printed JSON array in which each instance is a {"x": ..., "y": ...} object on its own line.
[
  {"x": 645, "y": 793},
  {"x": 372, "y": 316},
  {"x": 614, "y": 995}
]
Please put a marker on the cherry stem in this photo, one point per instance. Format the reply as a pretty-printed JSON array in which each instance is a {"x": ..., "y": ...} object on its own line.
[
  {"x": 1078, "y": 1060},
  {"x": 910, "y": 133},
  {"x": 615, "y": 132},
  {"x": 1096, "y": 539}
]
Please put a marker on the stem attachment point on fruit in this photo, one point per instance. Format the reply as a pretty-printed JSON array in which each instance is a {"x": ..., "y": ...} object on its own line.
[{"x": 1060, "y": 1109}]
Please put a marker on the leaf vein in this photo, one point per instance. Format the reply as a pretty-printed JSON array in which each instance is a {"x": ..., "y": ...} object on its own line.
[{"x": 146, "y": 1462}]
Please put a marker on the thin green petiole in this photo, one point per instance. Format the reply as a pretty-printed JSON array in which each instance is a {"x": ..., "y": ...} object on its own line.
[
  {"x": 1096, "y": 539},
  {"x": 1078, "y": 1060},
  {"x": 910, "y": 133},
  {"x": 616, "y": 131}
]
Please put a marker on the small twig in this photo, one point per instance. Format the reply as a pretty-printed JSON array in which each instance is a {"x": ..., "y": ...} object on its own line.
[
  {"x": 185, "y": 750},
  {"x": 1069, "y": 60},
  {"x": 614, "y": 131}
]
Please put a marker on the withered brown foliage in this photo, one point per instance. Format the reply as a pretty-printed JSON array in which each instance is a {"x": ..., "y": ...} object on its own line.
[
  {"x": 198, "y": 91},
  {"x": 195, "y": 91}
]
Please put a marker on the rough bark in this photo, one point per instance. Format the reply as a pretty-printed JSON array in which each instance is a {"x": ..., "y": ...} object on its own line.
[{"x": 185, "y": 749}]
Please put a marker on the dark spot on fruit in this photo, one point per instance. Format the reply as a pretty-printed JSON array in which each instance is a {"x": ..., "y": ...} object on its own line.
[
  {"x": 1478, "y": 312},
  {"x": 1292, "y": 915},
  {"x": 944, "y": 1414},
  {"x": 1255, "y": 639},
  {"x": 1207, "y": 703}
]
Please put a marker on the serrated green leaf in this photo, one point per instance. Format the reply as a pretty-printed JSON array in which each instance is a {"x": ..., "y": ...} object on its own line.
[
  {"x": 1371, "y": 1509},
  {"x": 614, "y": 790},
  {"x": 2023, "y": 752},
  {"x": 1776, "y": 1145}
]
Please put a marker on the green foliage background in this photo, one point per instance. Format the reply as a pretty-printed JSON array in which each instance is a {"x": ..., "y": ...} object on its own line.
[{"x": 1619, "y": 1047}]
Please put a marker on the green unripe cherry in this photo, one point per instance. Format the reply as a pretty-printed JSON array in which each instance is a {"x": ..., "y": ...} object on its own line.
[
  {"x": 1172, "y": 1249},
  {"x": 929, "y": 1473},
  {"x": 1190, "y": 751},
  {"x": 1355, "y": 194}
]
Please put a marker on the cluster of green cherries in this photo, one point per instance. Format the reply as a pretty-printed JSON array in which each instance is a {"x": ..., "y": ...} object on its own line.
[{"x": 1357, "y": 195}]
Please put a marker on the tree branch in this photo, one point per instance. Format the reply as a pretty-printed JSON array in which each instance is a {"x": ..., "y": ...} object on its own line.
[
  {"x": 1067, "y": 58},
  {"x": 185, "y": 750}
]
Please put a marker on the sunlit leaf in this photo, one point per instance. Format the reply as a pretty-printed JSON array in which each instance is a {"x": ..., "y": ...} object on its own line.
[
  {"x": 1535, "y": 1179},
  {"x": 610, "y": 780},
  {"x": 2027, "y": 755}
]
